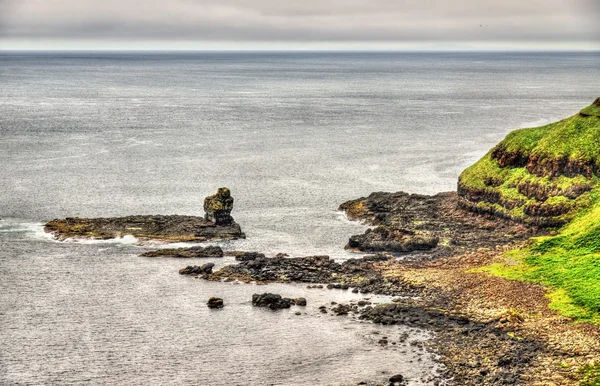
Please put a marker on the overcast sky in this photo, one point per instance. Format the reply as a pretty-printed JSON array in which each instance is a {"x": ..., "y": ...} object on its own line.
[{"x": 240, "y": 24}]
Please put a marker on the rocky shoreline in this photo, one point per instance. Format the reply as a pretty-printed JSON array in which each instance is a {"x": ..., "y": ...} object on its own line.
[
  {"x": 487, "y": 330},
  {"x": 436, "y": 224}
]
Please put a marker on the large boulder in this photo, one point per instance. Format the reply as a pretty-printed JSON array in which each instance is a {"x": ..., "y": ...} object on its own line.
[
  {"x": 197, "y": 270},
  {"x": 271, "y": 301},
  {"x": 215, "y": 303}
]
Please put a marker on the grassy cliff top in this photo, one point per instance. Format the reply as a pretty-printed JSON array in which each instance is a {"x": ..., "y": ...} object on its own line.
[
  {"x": 542, "y": 175},
  {"x": 554, "y": 170}
]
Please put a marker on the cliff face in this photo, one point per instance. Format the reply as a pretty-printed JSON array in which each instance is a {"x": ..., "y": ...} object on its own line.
[{"x": 541, "y": 175}]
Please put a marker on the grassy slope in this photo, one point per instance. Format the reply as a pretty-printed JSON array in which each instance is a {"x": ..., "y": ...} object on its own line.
[{"x": 569, "y": 260}]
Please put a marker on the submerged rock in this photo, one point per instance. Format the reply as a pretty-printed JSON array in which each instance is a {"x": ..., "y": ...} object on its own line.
[
  {"x": 271, "y": 301},
  {"x": 215, "y": 303},
  {"x": 210, "y": 251}
]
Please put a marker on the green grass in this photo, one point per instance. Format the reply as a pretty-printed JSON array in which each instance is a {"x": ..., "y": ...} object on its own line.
[
  {"x": 590, "y": 375},
  {"x": 568, "y": 262}
]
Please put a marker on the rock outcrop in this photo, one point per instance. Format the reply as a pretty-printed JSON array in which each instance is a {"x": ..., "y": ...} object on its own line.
[
  {"x": 217, "y": 224},
  {"x": 210, "y": 251},
  {"x": 271, "y": 301},
  {"x": 540, "y": 175},
  {"x": 361, "y": 274},
  {"x": 197, "y": 270},
  {"x": 431, "y": 225},
  {"x": 218, "y": 207}
]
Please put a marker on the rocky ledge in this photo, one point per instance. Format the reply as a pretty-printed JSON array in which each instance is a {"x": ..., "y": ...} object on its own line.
[
  {"x": 216, "y": 224},
  {"x": 210, "y": 251},
  {"x": 362, "y": 275},
  {"x": 415, "y": 222},
  {"x": 169, "y": 229}
]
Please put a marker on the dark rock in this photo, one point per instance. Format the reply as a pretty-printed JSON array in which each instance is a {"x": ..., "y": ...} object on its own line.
[
  {"x": 300, "y": 301},
  {"x": 396, "y": 380},
  {"x": 247, "y": 256},
  {"x": 218, "y": 207},
  {"x": 414, "y": 223},
  {"x": 210, "y": 251},
  {"x": 215, "y": 303},
  {"x": 341, "y": 309},
  {"x": 168, "y": 229},
  {"x": 197, "y": 270},
  {"x": 271, "y": 301}
]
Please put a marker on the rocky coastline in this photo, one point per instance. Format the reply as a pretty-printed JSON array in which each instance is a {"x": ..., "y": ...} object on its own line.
[{"x": 217, "y": 224}]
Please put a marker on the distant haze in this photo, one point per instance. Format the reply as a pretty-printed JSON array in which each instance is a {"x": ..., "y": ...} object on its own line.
[{"x": 243, "y": 24}]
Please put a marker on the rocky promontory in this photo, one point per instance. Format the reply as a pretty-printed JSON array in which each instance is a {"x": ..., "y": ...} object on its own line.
[
  {"x": 434, "y": 225},
  {"x": 217, "y": 224}
]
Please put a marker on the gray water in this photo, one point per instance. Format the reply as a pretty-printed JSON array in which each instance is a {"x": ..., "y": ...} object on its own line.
[{"x": 292, "y": 135}]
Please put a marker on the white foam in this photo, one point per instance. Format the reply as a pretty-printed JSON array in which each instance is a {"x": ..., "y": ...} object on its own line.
[{"x": 127, "y": 240}]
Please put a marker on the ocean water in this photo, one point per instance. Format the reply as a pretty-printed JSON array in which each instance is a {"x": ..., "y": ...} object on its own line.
[{"x": 292, "y": 135}]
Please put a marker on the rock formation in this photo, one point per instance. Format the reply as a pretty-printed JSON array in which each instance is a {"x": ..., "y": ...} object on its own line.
[
  {"x": 218, "y": 207},
  {"x": 217, "y": 224},
  {"x": 210, "y": 251}
]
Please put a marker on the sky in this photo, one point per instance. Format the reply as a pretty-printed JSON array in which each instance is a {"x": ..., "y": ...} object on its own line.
[{"x": 303, "y": 25}]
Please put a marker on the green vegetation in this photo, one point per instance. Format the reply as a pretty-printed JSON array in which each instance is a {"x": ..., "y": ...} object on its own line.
[
  {"x": 568, "y": 261},
  {"x": 591, "y": 375}
]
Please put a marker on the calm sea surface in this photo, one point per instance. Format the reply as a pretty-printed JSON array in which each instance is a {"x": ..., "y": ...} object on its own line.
[{"x": 292, "y": 136}]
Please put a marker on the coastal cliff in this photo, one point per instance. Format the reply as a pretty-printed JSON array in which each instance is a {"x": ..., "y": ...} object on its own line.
[
  {"x": 542, "y": 175},
  {"x": 536, "y": 196}
]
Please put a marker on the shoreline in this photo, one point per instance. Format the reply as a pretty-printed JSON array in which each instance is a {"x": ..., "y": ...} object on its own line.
[{"x": 488, "y": 330}]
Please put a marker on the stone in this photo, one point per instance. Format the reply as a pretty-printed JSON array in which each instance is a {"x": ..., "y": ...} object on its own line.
[
  {"x": 247, "y": 256},
  {"x": 271, "y": 301},
  {"x": 396, "y": 380},
  {"x": 197, "y": 270},
  {"x": 215, "y": 303},
  {"x": 218, "y": 207},
  {"x": 300, "y": 301},
  {"x": 210, "y": 251}
]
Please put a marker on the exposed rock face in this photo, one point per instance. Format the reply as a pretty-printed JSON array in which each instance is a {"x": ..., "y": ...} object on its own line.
[
  {"x": 210, "y": 251},
  {"x": 271, "y": 301},
  {"x": 432, "y": 224},
  {"x": 542, "y": 166},
  {"x": 218, "y": 207},
  {"x": 541, "y": 175},
  {"x": 215, "y": 303}
]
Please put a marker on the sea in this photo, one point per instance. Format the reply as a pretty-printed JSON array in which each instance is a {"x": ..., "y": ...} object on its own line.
[{"x": 293, "y": 135}]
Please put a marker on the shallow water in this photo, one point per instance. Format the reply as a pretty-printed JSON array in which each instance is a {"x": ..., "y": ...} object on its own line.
[{"x": 292, "y": 135}]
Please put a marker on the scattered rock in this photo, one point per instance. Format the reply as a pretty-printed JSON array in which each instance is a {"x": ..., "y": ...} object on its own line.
[
  {"x": 215, "y": 303},
  {"x": 397, "y": 380},
  {"x": 271, "y": 301},
  {"x": 300, "y": 301},
  {"x": 197, "y": 270}
]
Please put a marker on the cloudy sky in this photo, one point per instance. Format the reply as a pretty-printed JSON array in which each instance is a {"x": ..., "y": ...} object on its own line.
[{"x": 305, "y": 24}]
